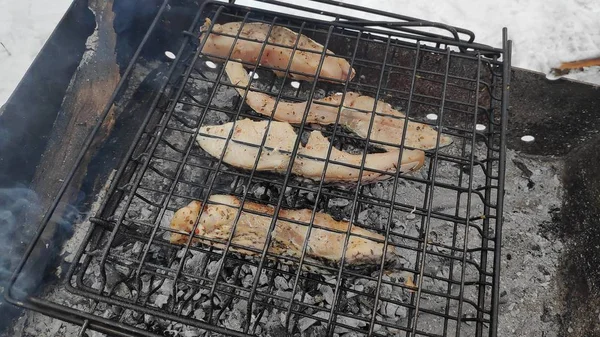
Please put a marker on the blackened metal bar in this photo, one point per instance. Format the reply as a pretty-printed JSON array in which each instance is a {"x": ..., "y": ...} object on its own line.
[
  {"x": 489, "y": 186},
  {"x": 320, "y": 188},
  {"x": 357, "y": 24},
  {"x": 434, "y": 163},
  {"x": 56, "y": 308},
  {"x": 507, "y": 56},
  {"x": 353, "y": 212},
  {"x": 83, "y": 329},
  {"x": 394, "y": 24},
  {"x": 394, "y": 189},
  {"x": 455, "y": 230},
  {"x": 411, "y": 34},
  {"x": 288, "y": 173},
  {"x": 352, "y": 20},
  {"x": 77, "y": 317},
  {"x": 467, "y": 215}
]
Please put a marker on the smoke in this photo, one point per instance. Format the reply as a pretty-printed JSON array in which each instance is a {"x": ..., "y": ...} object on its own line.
[
  {"x": 18, "y": 205},
  {"x": 20, "y": 214}
]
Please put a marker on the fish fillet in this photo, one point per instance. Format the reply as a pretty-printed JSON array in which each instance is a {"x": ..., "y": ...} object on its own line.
[
  {"x": 334, "y": 69},
  {"x": 325, "y": 246},
  {"x": 355, "y": 114},
  {"x": 246, "y": 137}
]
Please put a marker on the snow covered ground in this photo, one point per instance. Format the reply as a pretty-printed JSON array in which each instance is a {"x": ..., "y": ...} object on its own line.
[
  {"x": 25, "y": 25},
  {"x": 544, "y": 32}
]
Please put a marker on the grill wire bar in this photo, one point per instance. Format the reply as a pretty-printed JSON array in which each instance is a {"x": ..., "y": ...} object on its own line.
[
  {"x": 428, "y": 204},
  {"x": 447, "y": 285}
]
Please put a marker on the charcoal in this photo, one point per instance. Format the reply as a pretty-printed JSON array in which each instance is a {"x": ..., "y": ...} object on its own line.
[
  {"x": 264, "y": 279},
  {"x": 137, "y": 248},
  {"x": 281, "y": 283},
  {"x": 353, "y": 322},
  {"x": 247, "y": 281},
  {"x": 187, "y": 310},
  {"x": 284, "y": 294},
  {"x": 367, "y": 303},
  {"x": 199, "y": 314},
  {"x": 327, "y": 292},
  {"x": 315, "y": 331},
  {"x": 363, "y": 216},
  {"x": 213, "y": 269},
  {"x": 389, "y": 309},
  {"x": 240, "y": 305},
  {"x": 197, "y": 296},
  {"x": 273, "y": 325},
  {"x": 148, "y": 319},
  {"x": 160, "y": 300},
  {"x": 331, "y": 279},
  {"x": 113, "y": 277},
  {"x": 121, "y": 290},
  {"x": 338, "y": 202},
  {"x": 195, "y": 263},
  {"x": 111, "y": 312},
  {"x": 248, "y": 269},
  {"x": 259, "y": 192},
  {"x": 308, "y": 299},
  {"x": 191, "y": 333},
  {"x": 304, "y": 323},
  {"x": 285, "y": 322},
  {"x": 234, "y": 320},
  {"x": 357, "y": 287},
  {"x": 353, "y": 305}
]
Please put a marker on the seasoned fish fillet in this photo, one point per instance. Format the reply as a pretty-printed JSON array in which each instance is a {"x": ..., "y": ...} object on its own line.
[
  {"x": 334, "y": 69},
  {"x": 217, "y": 221},
  {"x": 385, "y": 129},
  {"x": 242, "y": 151}
]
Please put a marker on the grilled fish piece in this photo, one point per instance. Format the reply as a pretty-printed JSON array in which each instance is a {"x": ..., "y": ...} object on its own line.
[
  {"x": 324, "y": 245},
  {"x": 247, "y": 135},
  {"x": 355, "y": 114},
  {"x": 334, "y": 69}
]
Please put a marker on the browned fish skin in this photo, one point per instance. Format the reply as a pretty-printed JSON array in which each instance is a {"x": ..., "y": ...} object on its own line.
[
  {"x": 334, "y": 69},
  {"x": 242, "y": 151},
  {"x": 325, "y": 246},
  {"x": 355, "y": 115}
]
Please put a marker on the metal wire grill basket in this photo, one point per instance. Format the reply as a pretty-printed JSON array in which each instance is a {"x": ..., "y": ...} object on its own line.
[{"x": 445, "y": 219}]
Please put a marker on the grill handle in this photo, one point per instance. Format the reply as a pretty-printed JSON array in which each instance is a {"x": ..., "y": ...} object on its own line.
[
  {"x": 396, "y": 21},
  {"x": 453, "y": 30}
]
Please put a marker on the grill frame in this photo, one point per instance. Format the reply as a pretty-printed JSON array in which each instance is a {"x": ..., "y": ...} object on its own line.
[{"x": 98, "y": 323}]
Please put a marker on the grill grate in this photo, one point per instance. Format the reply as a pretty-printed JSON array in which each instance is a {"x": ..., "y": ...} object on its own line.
[{"x": 444, "y": 219}]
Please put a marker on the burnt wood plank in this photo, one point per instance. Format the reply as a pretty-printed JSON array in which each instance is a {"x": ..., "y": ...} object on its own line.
[{"x": 92, "y": 86}]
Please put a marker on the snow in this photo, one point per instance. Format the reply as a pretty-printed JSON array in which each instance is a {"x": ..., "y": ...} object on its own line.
[
  {"x": 544, "y": 33},
  {"x": 25, "y": 25}
]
